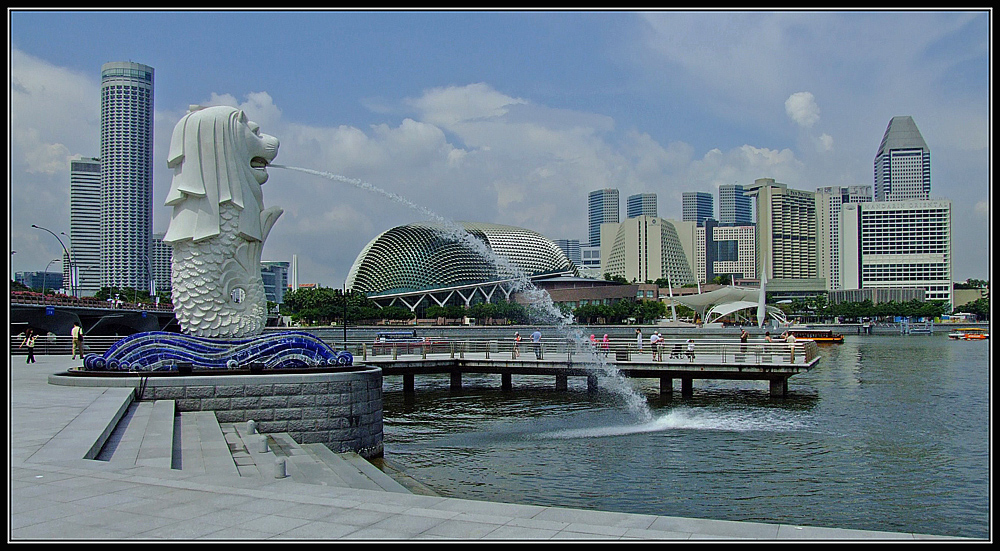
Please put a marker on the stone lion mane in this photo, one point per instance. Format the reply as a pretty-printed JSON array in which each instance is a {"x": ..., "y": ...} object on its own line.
[{"x": 210, "y": 152}]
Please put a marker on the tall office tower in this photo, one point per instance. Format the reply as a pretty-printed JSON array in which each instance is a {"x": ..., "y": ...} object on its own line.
[
  {"x": 85, "y": 225},
  {"x": 898, "y": 244},
  {"x": 160, "y": 255},
  {"x": 903, "y": 163},
  {"x": 786, "y": 230},
  {"x": 735, "y": 207},
  {"x": 275, "y": 277},
  {"x": 697, "y": 207},
  {"x": 641, "y": 204},
  {"x": 571, "y": 248},
  {"x": 126, "y": 173},
  {"x": 603, "y": 207},
  {"x": 829, "y": 202}
]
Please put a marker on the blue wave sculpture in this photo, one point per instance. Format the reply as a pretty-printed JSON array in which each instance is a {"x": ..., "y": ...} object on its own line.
[{"x": 163, "y": 351}]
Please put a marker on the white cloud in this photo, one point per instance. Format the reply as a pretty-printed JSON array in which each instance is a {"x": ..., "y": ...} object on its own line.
[{"x": 801, "y": 107}]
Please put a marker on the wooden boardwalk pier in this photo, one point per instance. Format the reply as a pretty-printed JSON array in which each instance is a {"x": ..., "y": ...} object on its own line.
[{"x": 710, "y": 359}]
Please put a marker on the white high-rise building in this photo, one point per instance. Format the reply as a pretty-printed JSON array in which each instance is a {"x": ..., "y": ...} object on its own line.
[
  {"x": 85, "y": 224},
  {"x": 645, "y": 248},
  {"x": 641, "y": 204},
  {"x": 786, "y": 231},
  {"x": 160, "y": 256},
  {"x": 829, "y": 201},
  {"x": 903, "y": 163},
  {"x": 126, "y": 173},
  {"x": 898, "y": 244}
]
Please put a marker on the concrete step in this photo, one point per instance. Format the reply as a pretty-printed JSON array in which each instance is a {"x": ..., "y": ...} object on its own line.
[
  {"x": 369, "y": 471},
  {"x": 85, "y": 435},
  {"x": 157, "y": 446},
  {"x": 203, "y": 445},
  {"x": 128, "y": 438}
]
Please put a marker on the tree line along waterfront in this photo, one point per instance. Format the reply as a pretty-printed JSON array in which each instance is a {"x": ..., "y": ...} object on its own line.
[{"x": 326, "y": 306}]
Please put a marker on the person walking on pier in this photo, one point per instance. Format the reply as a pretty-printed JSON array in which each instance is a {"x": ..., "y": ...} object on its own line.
[
  {"x": 517, "y": 345},
  {"x": 77, "y": 333},
  {"x": 638, "y": 339},
  {"x": 536, "y": 342},
  {"x": 29, "y": 342},
  {"x": 604, "y": 345},
  {"x": 743, "y": 345},
  {"x": 690, "y": 350}
]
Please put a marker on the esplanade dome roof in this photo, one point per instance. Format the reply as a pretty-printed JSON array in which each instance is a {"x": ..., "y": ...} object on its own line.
[{"x": 429, "y": 255}]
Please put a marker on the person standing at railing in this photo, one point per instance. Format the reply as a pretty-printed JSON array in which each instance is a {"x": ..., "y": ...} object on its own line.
[
  {"x": 690, "y": 350},
  {"x": 638, "y": 339},
  {"x": 517, "y": 345},
  {"x": 790, "y": 339},
  {"x": 77, "y": 333},
  {"x": 604, "y": 345},
  {"x": 536, "y": 342},
  {"x": 29, "y": 342}
]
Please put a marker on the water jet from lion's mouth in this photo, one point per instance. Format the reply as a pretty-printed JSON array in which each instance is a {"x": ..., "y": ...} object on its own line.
[{"x": 535, "y": 296}]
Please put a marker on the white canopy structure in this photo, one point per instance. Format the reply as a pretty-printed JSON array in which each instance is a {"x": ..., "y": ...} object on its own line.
[{"x": 716, "y": 304}]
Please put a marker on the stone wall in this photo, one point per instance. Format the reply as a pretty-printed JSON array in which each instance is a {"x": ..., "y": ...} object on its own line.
[{"x": 342, "y": 410}]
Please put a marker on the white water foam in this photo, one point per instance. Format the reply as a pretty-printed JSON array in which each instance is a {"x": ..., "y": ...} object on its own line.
[
  {"x": 538, "y": 298},
  {"x": 686, "y": 419}
]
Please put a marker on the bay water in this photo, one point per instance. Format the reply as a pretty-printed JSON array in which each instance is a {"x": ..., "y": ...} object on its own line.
[{"x": 887, "y": 433}]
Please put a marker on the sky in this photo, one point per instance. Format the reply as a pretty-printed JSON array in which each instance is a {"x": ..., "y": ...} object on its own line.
[{"x": 509, "y": 117}]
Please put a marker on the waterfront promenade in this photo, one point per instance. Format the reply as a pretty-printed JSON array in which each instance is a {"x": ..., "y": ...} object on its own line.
[{"x": 55, "y": 494}]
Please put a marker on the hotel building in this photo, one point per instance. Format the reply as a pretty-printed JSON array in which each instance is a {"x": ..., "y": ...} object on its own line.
[{"x": 126, "y": 173}]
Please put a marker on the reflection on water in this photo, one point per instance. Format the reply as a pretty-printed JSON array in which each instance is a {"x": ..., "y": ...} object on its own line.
[{"x": 888, "y": 433}]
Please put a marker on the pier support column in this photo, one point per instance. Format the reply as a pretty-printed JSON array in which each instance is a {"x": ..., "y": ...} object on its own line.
[
  {"x": 591, "y": 383},
  {"x": 456, "y": 380},
  {"x": 687, "y": 389},
  {"x": 408, "y": 383},
  {"x": 561, "y": 382},
  {"x": 779, "y": 387},
  {"x": 666, "y": 386},
  {"x": 505, "y": 381}
]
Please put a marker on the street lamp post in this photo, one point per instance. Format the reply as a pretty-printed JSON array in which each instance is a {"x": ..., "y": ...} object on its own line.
[
  {"x": 45, "y": 276},
  {"x": 65, "y": 250},
  {"x": 74, "y": 268}
]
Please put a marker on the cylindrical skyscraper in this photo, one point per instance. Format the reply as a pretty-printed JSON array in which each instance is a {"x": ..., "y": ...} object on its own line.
[{"x": 126, "y": 173}]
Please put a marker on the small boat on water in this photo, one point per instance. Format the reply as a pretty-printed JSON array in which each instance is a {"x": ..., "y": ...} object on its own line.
[
  {"x": 969, "y": 334},
  {"x": 817, "y": 335}
]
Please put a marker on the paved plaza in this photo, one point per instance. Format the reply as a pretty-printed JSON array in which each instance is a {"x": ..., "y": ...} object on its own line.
[{"x": 56, "y": 494}]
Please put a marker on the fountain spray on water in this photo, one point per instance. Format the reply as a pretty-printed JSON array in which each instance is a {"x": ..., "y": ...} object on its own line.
[{"x": 536, "y": 297}]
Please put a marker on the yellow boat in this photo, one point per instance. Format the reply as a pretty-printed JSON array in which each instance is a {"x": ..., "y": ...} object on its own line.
[
  {"x": 969, "y": 334},
  {"x": 817, "y": 335}
]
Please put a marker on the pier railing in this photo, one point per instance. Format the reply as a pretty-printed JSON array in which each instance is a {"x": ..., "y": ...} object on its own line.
[{"x": 716, "y": 351}]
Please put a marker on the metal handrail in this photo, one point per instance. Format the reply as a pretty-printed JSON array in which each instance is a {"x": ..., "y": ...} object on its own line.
[{"x": 724, "y": 351}]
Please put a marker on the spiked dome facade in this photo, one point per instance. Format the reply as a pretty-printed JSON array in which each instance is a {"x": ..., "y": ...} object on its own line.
[{"x": 422, "y": 256}]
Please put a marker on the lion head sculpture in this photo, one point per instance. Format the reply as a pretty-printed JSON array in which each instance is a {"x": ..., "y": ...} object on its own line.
[
  {"x": 218, "y": 156},
  {"x": 219, "y": 223}
]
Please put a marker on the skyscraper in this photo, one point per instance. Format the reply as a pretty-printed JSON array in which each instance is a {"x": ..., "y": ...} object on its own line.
[
  {"x": 85, "y": 223},
  {"x": 903, "y": 163},
  {"x": 735, "y": 207},
  {"x": 641, "y": 204},
  {"x": 571, "y": 248},
  {"x": 603, "y": 207},
  {"x": 126, "y": 173},
  {"x": 697, "y": 206},
  {"x": 829, "y": 203},
  {"x": 786, "y": 230},
  {"x": 898, "y": 244}
]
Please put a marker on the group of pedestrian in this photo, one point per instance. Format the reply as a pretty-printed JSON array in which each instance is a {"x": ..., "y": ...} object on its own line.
[
  {"x": 30, "y": 336},
  {"x": 536, "y": 344}
]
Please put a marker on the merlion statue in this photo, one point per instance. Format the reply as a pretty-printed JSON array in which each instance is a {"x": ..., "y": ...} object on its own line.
[{"x": 219, "y": 223}]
